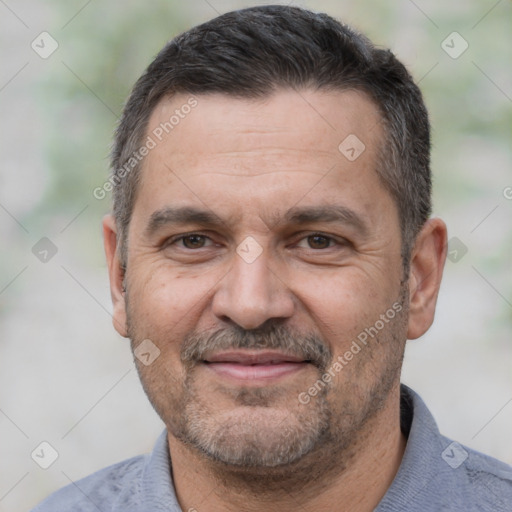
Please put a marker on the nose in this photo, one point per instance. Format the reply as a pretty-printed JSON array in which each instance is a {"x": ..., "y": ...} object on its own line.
[{"x": 251, "y": 293}]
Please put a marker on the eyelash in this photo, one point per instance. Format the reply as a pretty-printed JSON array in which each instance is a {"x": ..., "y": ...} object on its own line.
[
  {"x": 186, "y": 235},
  {"x": 332, "y": 240}
]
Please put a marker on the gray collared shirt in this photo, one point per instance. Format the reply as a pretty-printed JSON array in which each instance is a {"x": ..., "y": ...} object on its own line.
[{"x": 436, "y": 474}]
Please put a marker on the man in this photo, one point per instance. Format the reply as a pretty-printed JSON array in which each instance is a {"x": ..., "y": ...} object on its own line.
[{"x": 270, "y": 252}]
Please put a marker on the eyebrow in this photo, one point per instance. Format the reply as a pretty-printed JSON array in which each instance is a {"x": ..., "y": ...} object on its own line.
[
  {"x": 296, "y": 215},
  {"x": 327, "y": 213},
  {"x": 182, "y": 215}
]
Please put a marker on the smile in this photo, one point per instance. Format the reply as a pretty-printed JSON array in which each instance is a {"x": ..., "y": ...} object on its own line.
[{"x": 245, "y": 366}]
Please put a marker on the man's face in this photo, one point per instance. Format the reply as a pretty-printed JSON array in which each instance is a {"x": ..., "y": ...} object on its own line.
[{"x": 258, "y": 252}]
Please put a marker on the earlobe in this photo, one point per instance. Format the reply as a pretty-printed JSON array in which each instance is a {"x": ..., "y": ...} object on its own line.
[
  {"x": 116, "y": 274},
  {"x": 426, "y": 270}
]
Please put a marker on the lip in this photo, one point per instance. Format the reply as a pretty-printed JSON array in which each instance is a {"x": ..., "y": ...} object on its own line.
[
  {"x": 254, "y": 366},
  {"x": 249, "y": 357}
]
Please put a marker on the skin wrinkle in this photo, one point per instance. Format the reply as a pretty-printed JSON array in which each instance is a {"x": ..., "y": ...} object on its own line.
[
  {"x": 195, "y": 348},
  {"x": 260, "y": 441},
  {"x": 328, "y": 214},
  {"x": 253, "y": 175}
]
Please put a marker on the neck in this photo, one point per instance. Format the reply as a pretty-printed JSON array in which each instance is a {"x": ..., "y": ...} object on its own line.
[{"x": 356, "y": 479}]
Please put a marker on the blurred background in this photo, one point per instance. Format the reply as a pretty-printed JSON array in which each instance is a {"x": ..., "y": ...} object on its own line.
[{"x": 66, "y": 377}]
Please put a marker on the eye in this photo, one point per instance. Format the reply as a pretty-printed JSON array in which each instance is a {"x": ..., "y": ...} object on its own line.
[
  {"x": 192, "y": 247},
  {"x": 193, "y": 241},
  {"x": 317, "y": 241}
]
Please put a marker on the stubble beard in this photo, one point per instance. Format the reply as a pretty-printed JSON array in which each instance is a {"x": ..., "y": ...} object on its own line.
[{"x": 268, "y": 448}]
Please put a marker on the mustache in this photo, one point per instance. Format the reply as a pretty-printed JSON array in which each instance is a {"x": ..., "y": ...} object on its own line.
[{"x": 307, "y": 346}]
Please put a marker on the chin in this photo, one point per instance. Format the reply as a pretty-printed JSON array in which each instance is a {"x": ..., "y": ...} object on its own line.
[{"x": 254, "y": 436}]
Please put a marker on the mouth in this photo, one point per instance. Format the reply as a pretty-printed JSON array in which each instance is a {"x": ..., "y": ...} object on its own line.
[{"x": 254, "y": 366}]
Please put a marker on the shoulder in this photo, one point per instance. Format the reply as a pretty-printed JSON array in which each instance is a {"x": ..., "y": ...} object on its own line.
[
  {"x": 441, "y": 475},
  {"x": 97, "y": 491},
  {"x": 488, "y": 481}
]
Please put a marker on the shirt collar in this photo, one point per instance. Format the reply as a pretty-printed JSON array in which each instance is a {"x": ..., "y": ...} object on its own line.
[
  {"x": 419, "y": 466},
  {"x": 156, "y": 490},
  {"x": 153, "y": 490}
]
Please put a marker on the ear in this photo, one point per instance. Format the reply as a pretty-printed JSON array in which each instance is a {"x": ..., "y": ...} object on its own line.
[
  {"x": 116, "y": 274},
  {"x": 427, "y": 263}
]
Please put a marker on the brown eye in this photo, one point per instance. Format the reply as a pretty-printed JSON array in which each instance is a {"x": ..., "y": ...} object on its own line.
[
  {"x": 319, "y": 241},
  {"x": 194, "y": 241}
]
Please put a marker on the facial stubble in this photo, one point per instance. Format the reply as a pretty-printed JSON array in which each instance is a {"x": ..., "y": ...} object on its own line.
[{"x": 269, "y": 439}]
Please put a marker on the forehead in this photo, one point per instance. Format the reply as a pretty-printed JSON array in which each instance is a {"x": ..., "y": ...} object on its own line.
[
  {"x": 220, "y": 125},
  {"x": 260, "y": 154}
]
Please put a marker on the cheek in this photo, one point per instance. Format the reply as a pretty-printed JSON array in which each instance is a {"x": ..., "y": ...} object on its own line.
[
  {"x": 343, "y": 304},
  {"x": 162, "y": 300}
]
